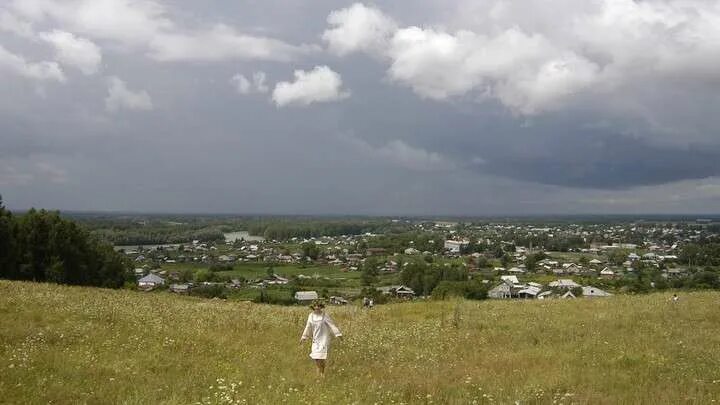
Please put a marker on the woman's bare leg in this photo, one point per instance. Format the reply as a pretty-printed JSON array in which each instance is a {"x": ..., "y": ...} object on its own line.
[{"x": 320, "y": 367}]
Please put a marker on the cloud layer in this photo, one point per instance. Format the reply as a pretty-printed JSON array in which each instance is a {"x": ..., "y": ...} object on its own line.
[{"x": 454, "y": 106}]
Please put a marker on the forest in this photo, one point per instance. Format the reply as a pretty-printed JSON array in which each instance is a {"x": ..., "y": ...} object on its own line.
[{"x": 44, "y": 247}]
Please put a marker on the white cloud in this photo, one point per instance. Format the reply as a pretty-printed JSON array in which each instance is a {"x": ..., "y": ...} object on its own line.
[
  {"x": 221, "y": 43},
  {"x": 43, "y": 71},
  {"x": 25, "y": 171},
  {"x": 146, "y": 24},
  {"x": 319, "y": 85},
  {"x": 398, "y": 153},
  {"x": 74, "y": 51},
  {"x": 11, "y": 23},
  {"x": 244, "y": 86},
  {"x": 522, "y": 55},
  {"x": 411, "y": 157},
  {"x": 358, "y": 28},
  {"x": 120, "y": 97},
  {"x": 127, "y": 21}
]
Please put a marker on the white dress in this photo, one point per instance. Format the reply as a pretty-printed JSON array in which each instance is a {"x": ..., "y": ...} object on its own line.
[{"x": 321, "y": 328}]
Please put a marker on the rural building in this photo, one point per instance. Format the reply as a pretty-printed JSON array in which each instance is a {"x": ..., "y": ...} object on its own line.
[
  {"x": 306, "y": 297},
  {"x": 151, "y": 281},
  {"x": 590, "y": 291},
  {"x": 564, "y": 283},
  {"x": 180, "y": 288},
  {"x": 398, "y": 291},
  {"x": 455, "y": 246}
]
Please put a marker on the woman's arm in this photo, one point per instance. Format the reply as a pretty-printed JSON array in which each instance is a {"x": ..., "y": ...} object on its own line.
[
  {"x": 307, "y": 331},
  {"x": 335, "y": 330}
]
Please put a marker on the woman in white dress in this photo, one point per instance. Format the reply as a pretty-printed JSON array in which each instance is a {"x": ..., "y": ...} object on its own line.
[{"x": 321, "y": 328}]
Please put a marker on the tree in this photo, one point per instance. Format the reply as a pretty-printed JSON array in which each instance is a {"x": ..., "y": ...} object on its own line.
[
  {"x": 506, "y": 260},
  {"x": 617, "y": 256},
  {"x": 42, "y": 246},
  {"x": 369, "y": 271},
  {"x": 310, "y": 250}
]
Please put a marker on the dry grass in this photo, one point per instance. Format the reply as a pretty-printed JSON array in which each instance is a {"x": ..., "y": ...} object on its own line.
[{"x": 76, "y": 345}]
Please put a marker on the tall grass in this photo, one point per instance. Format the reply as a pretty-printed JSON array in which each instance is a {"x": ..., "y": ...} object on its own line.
[{"x": 69, "y": 345}]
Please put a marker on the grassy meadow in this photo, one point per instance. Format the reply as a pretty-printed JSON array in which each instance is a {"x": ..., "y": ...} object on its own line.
[{"x": 71, "y": 345}]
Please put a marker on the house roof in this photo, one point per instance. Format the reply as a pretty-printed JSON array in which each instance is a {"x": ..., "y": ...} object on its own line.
[
  {"x": 152, "y": 278},
  {"x": 564, "y": 283},
  {"x": 531, "y": 290},
  {"x": 510, "y": 279},
  {"x": 306, "y": 295}
]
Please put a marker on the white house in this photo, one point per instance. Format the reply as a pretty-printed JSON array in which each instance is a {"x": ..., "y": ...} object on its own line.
[
  {"x": 529, "y": 292},
  {"x": 564, "y": 283},
  {"x": 151, "y": 281},
  {"x": 607, "y": 273},
  {"x": 305, "y": 297},
  {"x": 455, "y": 245},
  {"x": 503, "y": 290},
  {"x": 512, "y": 280},
  {"x": 590, "y": 291}
]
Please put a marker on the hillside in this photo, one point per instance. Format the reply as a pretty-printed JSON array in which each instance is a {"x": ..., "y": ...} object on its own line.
[{"x": 85, "y": 345}]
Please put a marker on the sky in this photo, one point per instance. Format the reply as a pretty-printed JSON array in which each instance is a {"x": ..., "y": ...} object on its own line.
[{"x": 435, "y": 107}]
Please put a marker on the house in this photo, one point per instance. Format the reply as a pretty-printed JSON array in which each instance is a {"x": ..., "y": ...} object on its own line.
[
  {"x": 545, "y": 295},
  {"x": 516, "y": 270},
  {"x": 151, "y": 281},
  {"x": 235, "y": 283},
  {"x": 590, "y": 291},
  {"x": 305, "y": 297},
  {"x": 595, "y": 262},
  {"x": 512, "y": 280},
  {"x": 180, "y": 288},
  {"x": 274, "y": 279},
  {"x": 568, "y": 294},
  {"x": 338, "y": 300},
  {"x": 375, "y": 251},
  {"x": 607, "y": 273},
  {"x": 411, "y": 251},
  {"x": 501, "y": 291},
  {"x": 399, "y": 291},
  {"x": 455, "y": 246},
  {"x": 529, "y": 292},
  {"x": 564, "y": 283}
]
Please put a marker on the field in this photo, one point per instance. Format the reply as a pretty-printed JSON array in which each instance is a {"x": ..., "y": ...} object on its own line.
[{"x": 69, "y": 345}]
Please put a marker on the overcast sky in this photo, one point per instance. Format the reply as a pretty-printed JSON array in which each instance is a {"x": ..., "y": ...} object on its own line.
[{"x": 473, "y": 107}]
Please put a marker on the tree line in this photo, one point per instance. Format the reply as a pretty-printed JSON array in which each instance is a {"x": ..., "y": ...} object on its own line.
[{"x": 42, "y": 246}]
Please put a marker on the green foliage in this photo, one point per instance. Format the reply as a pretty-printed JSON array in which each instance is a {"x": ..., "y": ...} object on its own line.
[
  {"x": 215, "y": 267},
  {"x": 42, "y": 246},
  {"x": 617, "y": 256},
  {"x": 204, "y": 275},
  {"x": 311, "y": 250},
  {"x": 398, "y": 242},
  {"x": 464, "y": 289},
  {"x": 370, "y": 271},
  {"x": 423, "y": 278},
  {"x": 695, "y": 254},
  {"x": 209, "y": 291}
]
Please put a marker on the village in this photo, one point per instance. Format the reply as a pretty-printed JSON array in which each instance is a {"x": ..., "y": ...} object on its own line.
[{"x": 508, "y": 260}]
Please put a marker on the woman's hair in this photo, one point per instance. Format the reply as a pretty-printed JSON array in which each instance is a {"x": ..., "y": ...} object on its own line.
[{"x": 317, "y": 305}]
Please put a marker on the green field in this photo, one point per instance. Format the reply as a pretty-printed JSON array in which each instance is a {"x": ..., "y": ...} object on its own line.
[{"x": 71, "y": 345}]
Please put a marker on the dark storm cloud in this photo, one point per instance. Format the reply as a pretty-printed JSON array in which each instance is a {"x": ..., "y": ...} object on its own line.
[{"x": 422, "y": 118}]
